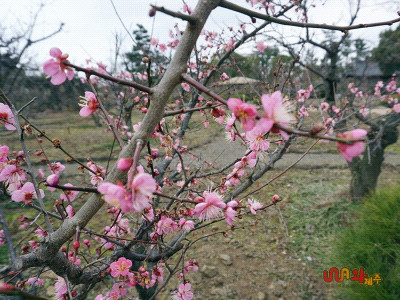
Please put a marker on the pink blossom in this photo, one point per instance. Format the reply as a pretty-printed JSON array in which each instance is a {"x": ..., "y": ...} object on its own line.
[
  {"x": 56, "y": 167},
  {"x": 61, "y": 288},
  {"x": 70, "y": 211},
  {"x": 185, "y": 86},
  {"x": 124, "y": 164},
  {"x": 154, "y": 42},
  {"x": 143, "y": 186},
  {"x": 186, "y": 225},
  {"x": 224, "y": 77},
  {"x": 113, "y": 193},
  {"x": 3, "y": 153},
  {"x": 68, "y": 195},
  {"x": 230, "y": 45},
  {"x": 261, "y": 47},
  {"x": 187, "y": 9},
  {"x": 6, "y": 117},
  {"x": 166, "y": 225},
  {"x": 12, "y": 176},
  {"x": 257, "y": 140},
  {"x": 324, "y": 106},
  {"x": 274, "y": 113},
  {"x": 53, "y": 180},
  {"x": 245, "y": 113},
  {"x": 355, "y": 149},
  {"x": 99, "y": 173},
  {"x": 35, "y": 281},
  {"x": 89, "y": 104},
  {"x": 230, "y": 212},
  {"x": 162, "y": 47},
  {"x": 191, "y": 264},
  {"x": 391, "y": 86},
  {"x": 120, "y": 267},
  {"x": 254, "y": 205},
  {"x": 157, "y": 274},
  {"x": 184, "y": 292},
  {"x": 26, "y": 194},
  {"x": 396, "y": 108},
  {"x": 210, "y": 207},
  {"x": 56, "y": 69}
]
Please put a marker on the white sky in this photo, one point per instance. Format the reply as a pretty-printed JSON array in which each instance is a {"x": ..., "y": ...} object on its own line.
[{"x": 91, "y": 24}]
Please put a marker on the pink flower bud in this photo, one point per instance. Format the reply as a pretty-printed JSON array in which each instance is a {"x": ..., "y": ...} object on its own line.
[
  {"x": 53, "y": 180},
  {"x": 124, "y": 164},
  {"x": 275, "y": 198}
]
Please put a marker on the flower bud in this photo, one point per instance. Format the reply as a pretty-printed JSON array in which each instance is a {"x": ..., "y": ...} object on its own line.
[
  {"x": 124, "y": 164},
  {"x": 53, "y": 180}
]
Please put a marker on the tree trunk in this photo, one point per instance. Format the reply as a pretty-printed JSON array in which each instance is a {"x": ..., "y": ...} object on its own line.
[{"x": 366, "y": 169}]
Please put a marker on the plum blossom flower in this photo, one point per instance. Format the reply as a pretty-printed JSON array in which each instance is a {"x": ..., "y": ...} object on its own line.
[
  {"x": 230, "y": 212},
  {"x": 113, "y": 193},
  {"x": 120, "y": 267},
  {"x": 324, "y": 106},
  {"x": 391, "y": 86},
  {"x": 224, "y": 77},
  {"x": 166, "y": 225},
  {"x": 257, "y": 140},
  {"x": 261, "y": 47},
  {"x": 26, "y": 194},
  {"x": 185, "y": 225},
  {"x": 396, "y": 108},
  {"x": 124, "y": 164},
  {"x": 304, "y": 94},
  {"x": 13, "y": 177},
  {"x": 157, "y": 274},
  {"x": 143, "y": 186},
  {"x": 3, "y": 153},
  {"x": 184, "y": 292},
  {"x": 254, "y": 205},
  {"x": 185, "y": 86},
  {"x": 274, "y": 113},
  {"x": 245, "y": 113},
  {"x": 56, "y": 167},
  {"x": 56, "y": 69},
  {"x": 37, "y": 282},
  {"x": 355, "y": 149},
  {"x": 6, "y": 117},
  {"x": 210, "y": 206},
  {"x": 68, "y": 195},
  {"x": 89, "y": 104},
  {"x": 61, "y": 288}
]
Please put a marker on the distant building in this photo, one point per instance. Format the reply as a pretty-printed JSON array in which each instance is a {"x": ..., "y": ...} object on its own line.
[
  {"x": 240, "y": 85},
  {"x": 365, "y": 70}
]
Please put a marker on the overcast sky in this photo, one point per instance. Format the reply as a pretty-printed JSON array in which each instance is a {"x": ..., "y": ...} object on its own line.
[{"x": 91, "y": 24}]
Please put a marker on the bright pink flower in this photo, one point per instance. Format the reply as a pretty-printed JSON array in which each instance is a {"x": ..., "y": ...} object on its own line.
[
  {"x": 26, "y": 194},
  {"x": 257, "y": 140},
  {"x": 396, "y": 108},
  {"x": 120, "y": 267},
  {"x": 68, "y": 195},
  {"x": 157, "y": 274},
  {"x": 6, "y": 117},
  {"x": 184, "y": 292},
  {"x": 186, "y": 225},
  {"x": 56, "y": 69},
  {"x": 113, "y": 193},
  {"x": 355, "y": 149},
  {"x": 185, "y": 86},
  {"x": 143, "y": 186},
  {"x": 254, "y": 205},
  {"x": 230, "y": 212},
  {"x": 274, "y": 113},
  {"x": 166, "y": 225},
  {"x": 89, "y": 104},
  {"x": 210, "y": 207},
  {"x": 245, "y": 113},
  {"x": 261, "y": 47}
]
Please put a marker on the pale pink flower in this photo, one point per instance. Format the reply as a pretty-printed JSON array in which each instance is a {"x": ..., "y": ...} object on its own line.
[
  {"x": 230, "y": 212},
  {"x": 224, "y": 77},
  {"x": 254, "y": 205},
  {"x": 257, "y": 140},
  {"x": 185, "y": 86},
  {"x": 396, "y": 108},
  {"x": 230, "y": 45},
  {"x": 3, "y": 153},
  {"x": 186, "y": 225},
  {"x": 37, "y": 282},
  {"x": 210, "y": 207},
  {"x": 120, "y": 267},
  {"x": 40, "y": 233},
  {"x": 56, "y": 167},
  {"x": 162, "y": 47},
  {"x": 187, "y": 9},
  {"x": 13, "y": 177},
  {"x": 274, "y": 113},
  {"x": 324, "y": 106},
  {"x": 26, "y": 194},
  {"x": 143, "y": 186},
  {"x": 6, "y": 117},
  {"x": 40, "y": 173},
  {"x": 355, "y": 149},
  {"x": 245, "y": 113},
  {"x": 184, "y": 292},
  {"x": 191, "y": 265},
  {"x": 391, "y": 86},
  {"x": 154, "y": 42},
  {"x": 113, "y": 193},
  {"x": 89, "y": 104},
  {"x": 56, "y": 69},
  {"x": 61, "y": 288},
  {"x": 166, "y": 225},
  {"x": 68, "y": 195},
  {"x": 261, "y": 47}
]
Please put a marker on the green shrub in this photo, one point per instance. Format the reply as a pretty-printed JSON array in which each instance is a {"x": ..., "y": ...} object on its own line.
[{"x": 373, "y": 243}]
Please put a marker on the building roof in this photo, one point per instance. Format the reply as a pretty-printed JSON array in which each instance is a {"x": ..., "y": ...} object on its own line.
[{"x": 364, "y": 69}]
